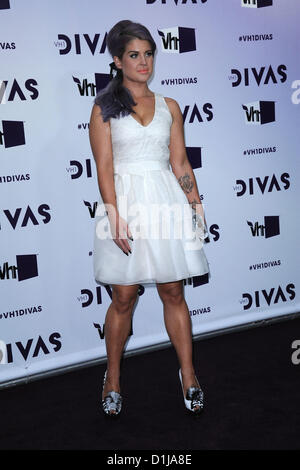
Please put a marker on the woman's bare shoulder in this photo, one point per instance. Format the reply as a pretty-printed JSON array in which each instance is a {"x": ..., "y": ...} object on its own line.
[
  {"x": 170, "y": 100},
  {"x": 96, "y": 110},
  {"x": 96, "y": 116}
]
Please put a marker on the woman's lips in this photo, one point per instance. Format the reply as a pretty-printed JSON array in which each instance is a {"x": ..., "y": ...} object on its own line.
[{"x": 143, "y": 71}]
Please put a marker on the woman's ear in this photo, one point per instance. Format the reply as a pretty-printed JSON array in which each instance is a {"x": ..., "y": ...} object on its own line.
[{"x": 117, "y": 62}]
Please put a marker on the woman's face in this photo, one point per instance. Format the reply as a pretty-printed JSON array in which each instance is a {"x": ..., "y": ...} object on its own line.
[{"x": 137, "y": 61}]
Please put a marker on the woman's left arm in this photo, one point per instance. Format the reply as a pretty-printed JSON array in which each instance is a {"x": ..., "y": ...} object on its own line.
[{"x": 179, "y": 161}]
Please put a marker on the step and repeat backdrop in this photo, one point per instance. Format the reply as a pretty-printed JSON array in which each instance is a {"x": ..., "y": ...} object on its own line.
[{"x": 233, "y": 67}]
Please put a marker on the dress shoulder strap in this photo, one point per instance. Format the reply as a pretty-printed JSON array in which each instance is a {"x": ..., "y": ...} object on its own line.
[
  {"x": 161, "y": 100},
  {"x": 162, "y": 104}
]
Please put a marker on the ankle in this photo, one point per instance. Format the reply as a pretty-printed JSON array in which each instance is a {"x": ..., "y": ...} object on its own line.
[
  {"x": 189, "y": 378},
  {"x": 188, "y": 372},
  {"x": 112, "y": 382},
  {"x": 112, "y": 375}
]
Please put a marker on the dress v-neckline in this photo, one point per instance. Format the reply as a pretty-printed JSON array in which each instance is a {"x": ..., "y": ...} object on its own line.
[{"x": 151, "y": 119}]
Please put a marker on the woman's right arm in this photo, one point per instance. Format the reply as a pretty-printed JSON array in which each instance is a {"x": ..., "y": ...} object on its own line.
[{"x": 100, "y": 140}]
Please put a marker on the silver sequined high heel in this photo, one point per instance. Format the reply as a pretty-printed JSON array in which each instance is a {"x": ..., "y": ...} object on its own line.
[
  {"x": 112, "y": 402},
  {"x": 194, "y": 397}
]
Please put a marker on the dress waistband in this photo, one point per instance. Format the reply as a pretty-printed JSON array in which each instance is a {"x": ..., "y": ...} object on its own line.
[{"x": 139, "y": 168}]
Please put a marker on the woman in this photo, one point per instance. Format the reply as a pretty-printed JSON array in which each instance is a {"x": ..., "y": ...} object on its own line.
[{"x": 135, "y": 136}]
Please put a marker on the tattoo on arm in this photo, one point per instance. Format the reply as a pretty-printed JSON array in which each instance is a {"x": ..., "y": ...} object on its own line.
[{"x": 186, "y": 183}]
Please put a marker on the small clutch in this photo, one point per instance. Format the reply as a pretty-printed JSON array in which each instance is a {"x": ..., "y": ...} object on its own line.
[{"x": 200, "y": 227}]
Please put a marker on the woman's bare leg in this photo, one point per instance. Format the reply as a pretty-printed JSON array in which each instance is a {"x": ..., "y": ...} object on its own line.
[
  {"x": 117, "y": 328},
  {"x": 178, "y": 326}
]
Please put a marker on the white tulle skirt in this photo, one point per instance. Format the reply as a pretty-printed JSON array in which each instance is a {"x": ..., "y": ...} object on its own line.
[{"x": 165, "y": 247}]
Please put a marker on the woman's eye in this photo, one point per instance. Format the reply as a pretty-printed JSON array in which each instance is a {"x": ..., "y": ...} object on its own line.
[{"x": 148, "y": 54}]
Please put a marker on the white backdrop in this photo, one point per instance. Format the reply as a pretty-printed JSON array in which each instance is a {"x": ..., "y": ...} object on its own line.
[{"x": 236, "y": 76}]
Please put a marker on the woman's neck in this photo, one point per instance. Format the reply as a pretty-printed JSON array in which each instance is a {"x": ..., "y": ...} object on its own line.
[{"x": 138, "y": 90}]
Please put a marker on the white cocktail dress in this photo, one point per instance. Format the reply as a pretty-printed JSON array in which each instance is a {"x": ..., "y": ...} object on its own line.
[{"x": 151, "y": 200}]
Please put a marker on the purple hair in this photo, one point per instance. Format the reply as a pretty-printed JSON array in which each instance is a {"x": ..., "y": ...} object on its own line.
[{"x": 115, "y": 99}]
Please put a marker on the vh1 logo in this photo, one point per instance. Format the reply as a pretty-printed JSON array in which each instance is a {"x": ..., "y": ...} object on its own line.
[
  {"x": 256, "y": 3},
  {"x": 178, "y": 40},
  {"x": 270, "y": 228},
  {"x": 259, "y": 112},
  {"x": 26, "y": 268},
  {"x": 91, "y": 88}
]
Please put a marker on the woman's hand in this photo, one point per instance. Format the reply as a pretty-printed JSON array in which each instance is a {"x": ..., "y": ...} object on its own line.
[
  {"x": 199, "y": 211},
  {"x": 200, "y": 227},
  {"x": 120, "y": 231}
]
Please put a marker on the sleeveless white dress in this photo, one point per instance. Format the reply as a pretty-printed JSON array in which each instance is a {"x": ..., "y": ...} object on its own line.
[{"x": 163, "y": 247}]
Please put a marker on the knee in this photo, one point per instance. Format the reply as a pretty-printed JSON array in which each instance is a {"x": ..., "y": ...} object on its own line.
[
  {"x": 123, "y": 303},
  {"x": 171, "y": 295}
]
